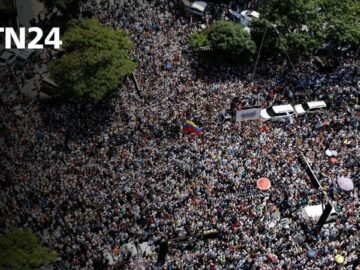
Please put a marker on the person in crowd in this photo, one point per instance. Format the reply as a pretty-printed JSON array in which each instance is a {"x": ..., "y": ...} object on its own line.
[{"x": 90, "y": 180}]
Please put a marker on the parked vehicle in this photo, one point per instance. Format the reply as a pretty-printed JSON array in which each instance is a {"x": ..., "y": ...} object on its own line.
[
  {"x": 235, "y": 16},
  {"x": 196, "y": 8},
  {"x": 246, "y": 114},
  {"x": 276, "y": 112},
  {"x": 244, "y": 18},
  {"x": 48, "y": 86},
  {"x": 7, "y": 57},
  {"x": 249, "y": 15},
  {"x": 312, "y": 106},
  {"x": 314, "y": 212},
  {"x": 24, "y": 56}
]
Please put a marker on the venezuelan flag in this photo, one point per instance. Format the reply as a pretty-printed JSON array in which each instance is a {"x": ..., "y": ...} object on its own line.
[{"x": 190, "y": 127}]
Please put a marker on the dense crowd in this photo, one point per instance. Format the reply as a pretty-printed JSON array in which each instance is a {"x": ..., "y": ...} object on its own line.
[{"x": 91, "y": 179}]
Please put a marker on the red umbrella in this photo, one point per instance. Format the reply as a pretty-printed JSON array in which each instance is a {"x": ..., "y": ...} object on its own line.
[
  {"x": 332, "y": 160},
  {"x": 263, "y": 184}
]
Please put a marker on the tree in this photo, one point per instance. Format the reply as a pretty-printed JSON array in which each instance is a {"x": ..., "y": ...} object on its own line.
[
  {"x": 342, "y": 21},
  {"x": 305, "y": 25},
  {"x": 298, "y": 26},
  {"x": 95, "y": 59},
  {"x": 198, "y": 40},
  {"x": 231, "y": 38},
  {"x": 225, "y": 38},
  {"x": 21, "y": 249}
]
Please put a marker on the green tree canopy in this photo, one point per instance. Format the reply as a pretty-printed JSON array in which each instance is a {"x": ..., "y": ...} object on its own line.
[
  {"x": 198, "y": 40},
  {"x": 341, "y": 21},
  {"x": 225, "y": 38},
  {"x": 20, "y": 249},
  {"x": 230, "y": 37},
  {"x": 305, "y": 25},
  {"x": 95, "y": 59}
]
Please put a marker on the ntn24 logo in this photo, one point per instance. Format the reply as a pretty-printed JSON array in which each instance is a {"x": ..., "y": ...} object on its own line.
[{"x": 18, "y": 40}]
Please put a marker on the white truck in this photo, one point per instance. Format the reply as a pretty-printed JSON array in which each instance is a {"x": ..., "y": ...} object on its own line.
[{"x": 314, "y": 212}]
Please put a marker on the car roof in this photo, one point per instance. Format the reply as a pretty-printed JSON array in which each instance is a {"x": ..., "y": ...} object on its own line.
[
  {"x": 234, "y": 13},
  {"x": 282, "y": 108},
  {"x": 316, "y": 104},
  {"x": 315, "y": 210},
  {"x": 252, "y": 13},
  {"x": 199, "y": 5}
]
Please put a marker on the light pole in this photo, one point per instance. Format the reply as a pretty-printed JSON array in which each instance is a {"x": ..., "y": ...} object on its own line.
[
  {"x": 258, "y": 56},
  {"x": 261, "y": 45},
  {"x": 287, "y": 55}
]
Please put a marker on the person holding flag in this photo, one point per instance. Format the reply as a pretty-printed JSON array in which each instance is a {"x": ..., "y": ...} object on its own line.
[{"x": 191, "y": 127}]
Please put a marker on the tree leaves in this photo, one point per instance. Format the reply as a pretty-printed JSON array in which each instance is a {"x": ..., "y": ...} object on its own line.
[
  {"x": 305, "y": 25},
  {"x": 226, "y": 38},
  {"x": 95, "y": 58},
  {"x": 197, "y": 40},
  {"x": 230, "y": 37},
  {"x": 21, "y": 249}
]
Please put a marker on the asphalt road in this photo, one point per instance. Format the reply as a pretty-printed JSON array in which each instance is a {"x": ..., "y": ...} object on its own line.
[{"x": 28, "y": 9}]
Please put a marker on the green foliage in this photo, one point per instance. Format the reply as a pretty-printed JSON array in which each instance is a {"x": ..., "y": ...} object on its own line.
[
  {"x": 95, "y": 59},
  {"x": 305, "y": 25},
  {"x": 197, "y": 40},
  {"x": 231, "y": 38},
  {"x": 297, "y": 22},
  {"x": 342, "y": 21},
  {"x": 21, "y": 249},
  {"x": 228, "y": 40}
]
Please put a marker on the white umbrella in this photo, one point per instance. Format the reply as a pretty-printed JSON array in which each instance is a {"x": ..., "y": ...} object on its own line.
[
  {"x": 331, "y": 153},
  {"x": 328, "y": 153},
  {"x": 345, "y": 183}
]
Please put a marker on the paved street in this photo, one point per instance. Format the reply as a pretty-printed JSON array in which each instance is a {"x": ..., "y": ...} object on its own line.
[
  {"x": 28, "y": 9},
  {"x": 28, "y": 88}
]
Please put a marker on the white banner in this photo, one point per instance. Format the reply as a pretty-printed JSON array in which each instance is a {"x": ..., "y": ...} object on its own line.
[{"x": 248, "y": 114}]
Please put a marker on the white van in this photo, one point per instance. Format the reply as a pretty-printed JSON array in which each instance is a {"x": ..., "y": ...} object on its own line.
[
  {"x": 314, "y": 212},
  {"x": 247, "y": 114},
  {"x": 312, "y": 106},
  {"x": 276, "y": 112}
]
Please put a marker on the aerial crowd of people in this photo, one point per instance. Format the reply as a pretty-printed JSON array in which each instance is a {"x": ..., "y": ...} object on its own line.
[{"x": 90, "y": 179}]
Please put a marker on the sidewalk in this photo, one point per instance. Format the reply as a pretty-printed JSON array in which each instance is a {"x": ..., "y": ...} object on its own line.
[
  {"x": 27, "y": 10},
  {"x": 29, "y": 88}
]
